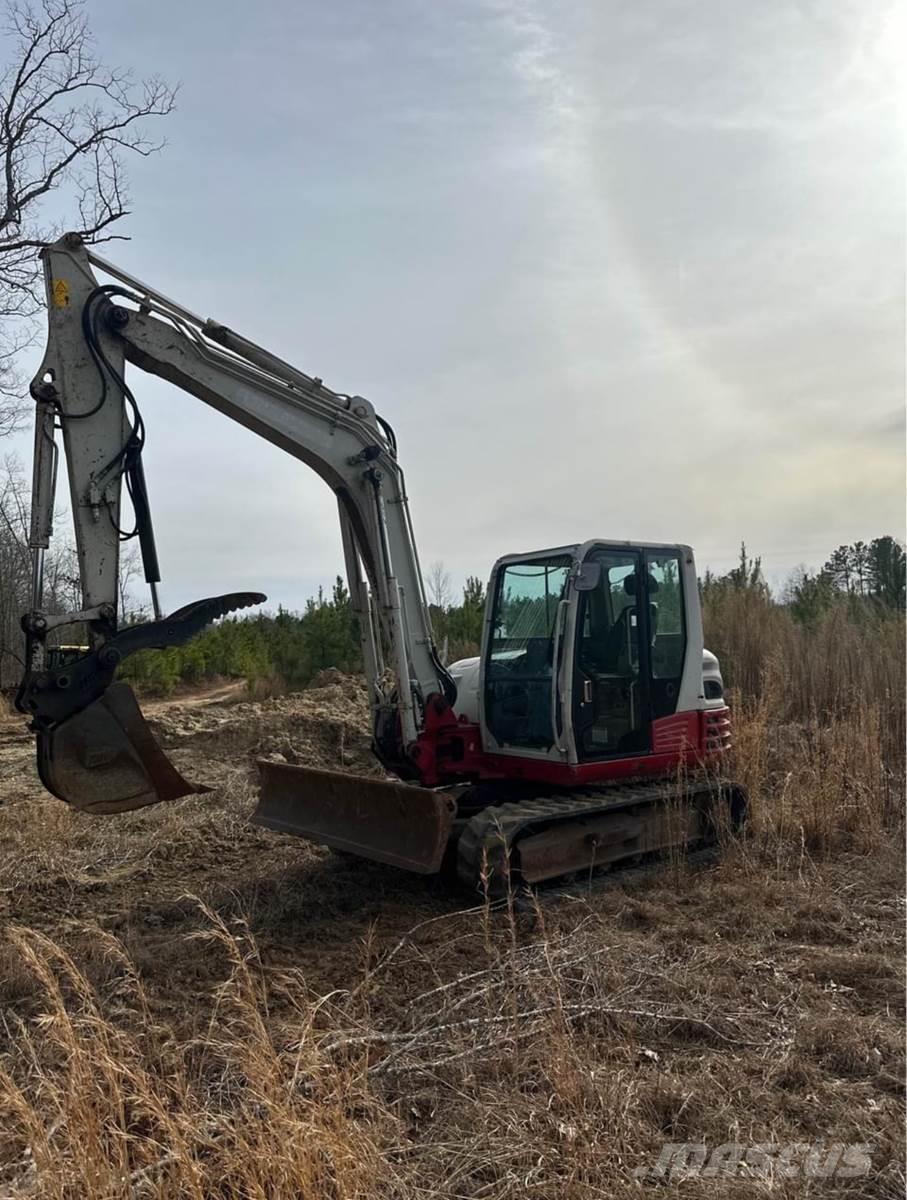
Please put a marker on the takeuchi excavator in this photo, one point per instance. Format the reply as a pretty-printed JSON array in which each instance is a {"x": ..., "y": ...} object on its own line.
[{"x": 591, "y": 729}]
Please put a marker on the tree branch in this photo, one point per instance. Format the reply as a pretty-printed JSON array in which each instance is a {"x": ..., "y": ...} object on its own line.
[{"x": 67, "y": 123}]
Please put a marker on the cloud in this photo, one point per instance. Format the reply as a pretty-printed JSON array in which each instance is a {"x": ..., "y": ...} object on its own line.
[{"x": 629, "y": 270}]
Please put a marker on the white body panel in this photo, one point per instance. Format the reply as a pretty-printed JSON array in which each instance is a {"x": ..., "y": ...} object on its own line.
[{"x": 466, "y": 674}]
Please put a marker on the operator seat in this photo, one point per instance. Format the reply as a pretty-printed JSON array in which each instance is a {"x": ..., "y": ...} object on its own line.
[{"x": 619, "y": 633}]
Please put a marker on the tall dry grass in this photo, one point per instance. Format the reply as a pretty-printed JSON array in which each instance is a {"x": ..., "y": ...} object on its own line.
[
  {"x": 101, "y": 1100},
  {"x": 851, "y": 656},
  {"x": 819, "y": 718},
  {"x": 818, "y": 786}
]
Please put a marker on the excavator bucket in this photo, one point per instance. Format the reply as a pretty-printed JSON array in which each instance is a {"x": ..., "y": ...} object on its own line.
[
  {"x": 105, "y": 759},
  {"x": 396, "y": 823}
]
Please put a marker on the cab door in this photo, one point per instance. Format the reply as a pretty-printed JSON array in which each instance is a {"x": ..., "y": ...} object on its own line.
[
  {"x": 665, "y": 619},
  {"x": 611, "y": 662},
  {"x": 525, "y": 655}
]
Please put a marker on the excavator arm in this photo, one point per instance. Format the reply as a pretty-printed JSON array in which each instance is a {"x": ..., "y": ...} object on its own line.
[{"x": 94, "y": 747}]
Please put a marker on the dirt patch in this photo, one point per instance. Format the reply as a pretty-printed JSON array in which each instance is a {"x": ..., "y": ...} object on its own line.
[{"x": 327, "y": 726}]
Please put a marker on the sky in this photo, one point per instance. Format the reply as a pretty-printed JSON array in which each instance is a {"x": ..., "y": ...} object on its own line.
[{"x": 614, "y": 270}]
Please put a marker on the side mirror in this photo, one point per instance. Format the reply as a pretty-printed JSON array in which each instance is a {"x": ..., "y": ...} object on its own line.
[{"x": 588, "y": 577}]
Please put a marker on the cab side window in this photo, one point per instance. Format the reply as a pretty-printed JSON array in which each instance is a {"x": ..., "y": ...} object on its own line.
[{"x": 667, "y": 630}]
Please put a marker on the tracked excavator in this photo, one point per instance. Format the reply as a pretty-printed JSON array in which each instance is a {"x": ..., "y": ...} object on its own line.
[{"x": 591, "y": 729}]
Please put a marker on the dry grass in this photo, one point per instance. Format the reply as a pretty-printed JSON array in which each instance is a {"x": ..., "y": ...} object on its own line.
[
  {"x": 818, "y": 787},
  {"x": 819, "y": 720},
  {"x": 584, "y": 1035},
  {"x": 303, "y": 1026},
  {"x": 846, "y": 660}
]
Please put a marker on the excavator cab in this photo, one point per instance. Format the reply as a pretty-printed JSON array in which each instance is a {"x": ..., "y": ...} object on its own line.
[{"x": 590, "y": 648}]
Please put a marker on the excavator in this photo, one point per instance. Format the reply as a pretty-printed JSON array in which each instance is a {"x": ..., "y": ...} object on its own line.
[{"x": 592, "y": 728}]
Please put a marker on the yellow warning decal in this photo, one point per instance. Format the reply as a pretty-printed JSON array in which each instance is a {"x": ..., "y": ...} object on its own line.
[{"x": 60, "y": 293}]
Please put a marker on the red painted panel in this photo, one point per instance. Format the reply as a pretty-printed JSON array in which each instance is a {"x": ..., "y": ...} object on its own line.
[
  {"x": 678, "y": 732},
  {"x": 450, "y": 749}
]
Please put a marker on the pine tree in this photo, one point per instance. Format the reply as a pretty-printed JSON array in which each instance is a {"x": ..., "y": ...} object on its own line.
[
  {"x": 859, "y": 563},
  {"x": 809, "y": 596},
  {"x": 464, "y": 623},
  {"x": 747, "y": 575},
  {"x": 839, "y": 568},
  {"x": 886, "y": 571}
]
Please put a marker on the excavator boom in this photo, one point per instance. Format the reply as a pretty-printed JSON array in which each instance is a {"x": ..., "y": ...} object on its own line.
[{"x": 94, "y": 748}]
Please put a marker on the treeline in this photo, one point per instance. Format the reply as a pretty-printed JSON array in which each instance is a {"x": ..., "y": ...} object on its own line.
[
  {"x": 869, "y": 576},
  {"x": 853, "y": 606},
  {"x": 284, "y": 650},
  {"x": 872, "y": 572},
  {"x": 815, "y": 620},
  {"x": 287, "y": 650}
]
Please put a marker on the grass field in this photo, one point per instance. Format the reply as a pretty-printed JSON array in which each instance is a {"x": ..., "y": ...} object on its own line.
[{"x": 192, "y": 1007}]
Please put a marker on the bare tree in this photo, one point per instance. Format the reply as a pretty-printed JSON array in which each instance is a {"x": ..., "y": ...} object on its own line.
[
  {"x": 66, "y": 124},
  {"x": 437, "y": 584},
  {"x": 62, "y": 588},
  {"x": 15, "y": 567},
  {"x": 130, "y": 608}
]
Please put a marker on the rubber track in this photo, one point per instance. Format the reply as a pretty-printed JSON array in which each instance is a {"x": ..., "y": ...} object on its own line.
[{"x": 489, "y": 837}]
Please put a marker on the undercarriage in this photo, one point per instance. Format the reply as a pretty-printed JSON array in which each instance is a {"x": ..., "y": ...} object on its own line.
[{"x": 495, "y": 837}]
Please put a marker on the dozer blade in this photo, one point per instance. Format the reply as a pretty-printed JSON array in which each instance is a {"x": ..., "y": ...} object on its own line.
[
  {"x": 394, "y": 823},
  {"x": 105, "y": 759}
]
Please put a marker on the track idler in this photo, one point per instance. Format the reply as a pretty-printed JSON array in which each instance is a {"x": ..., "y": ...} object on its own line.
[{"x": 95, "y": 749}]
